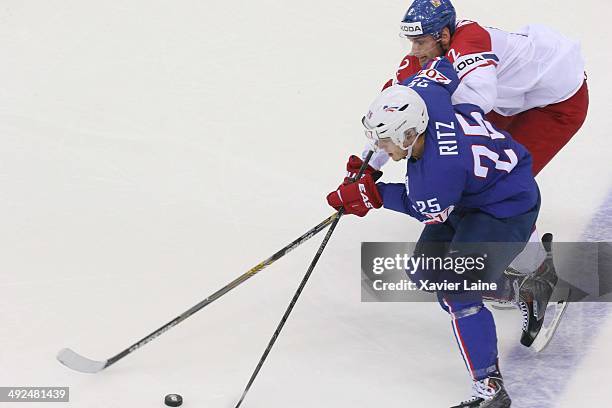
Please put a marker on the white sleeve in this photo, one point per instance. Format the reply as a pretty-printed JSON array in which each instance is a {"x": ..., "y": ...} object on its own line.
[{"x": 478, "y": 87}]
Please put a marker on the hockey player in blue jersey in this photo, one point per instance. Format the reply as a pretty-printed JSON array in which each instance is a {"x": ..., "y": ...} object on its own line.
[{"x": 469, "y": 183}]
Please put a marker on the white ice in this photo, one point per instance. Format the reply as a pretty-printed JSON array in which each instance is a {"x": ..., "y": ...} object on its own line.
[{"x": 152, "y": 151}]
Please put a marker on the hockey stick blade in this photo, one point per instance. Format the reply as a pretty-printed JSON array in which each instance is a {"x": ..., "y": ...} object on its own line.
[
  {"x": 82, "y": 364},
  {"x": 79, "y": 363}
]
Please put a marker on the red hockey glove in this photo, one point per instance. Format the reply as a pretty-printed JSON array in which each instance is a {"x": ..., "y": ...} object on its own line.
[
  {"x": 352, "y": 169},
  {"x": 356, "y": 198}
]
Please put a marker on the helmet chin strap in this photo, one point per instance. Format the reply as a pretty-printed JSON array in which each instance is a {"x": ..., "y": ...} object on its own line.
[{"x": 409, "y": 148}]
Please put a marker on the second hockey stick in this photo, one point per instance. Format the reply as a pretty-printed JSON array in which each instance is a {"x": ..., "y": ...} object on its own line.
[{"x": 297, "y": 294}]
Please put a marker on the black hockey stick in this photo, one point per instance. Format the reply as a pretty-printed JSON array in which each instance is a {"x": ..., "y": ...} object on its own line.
[
  {"x": 75, "y": 361},
  {"x": 301, "y": 287}
]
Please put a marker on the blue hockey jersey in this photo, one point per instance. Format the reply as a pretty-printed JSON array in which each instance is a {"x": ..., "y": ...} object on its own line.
[{"x": 466, "y": 163}]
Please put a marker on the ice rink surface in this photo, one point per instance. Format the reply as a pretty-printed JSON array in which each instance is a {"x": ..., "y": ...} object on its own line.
[{"x": 152, "y": 151}]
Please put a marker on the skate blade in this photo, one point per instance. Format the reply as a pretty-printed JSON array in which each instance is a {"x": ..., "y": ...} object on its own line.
[{"x": 548, "y": 331}]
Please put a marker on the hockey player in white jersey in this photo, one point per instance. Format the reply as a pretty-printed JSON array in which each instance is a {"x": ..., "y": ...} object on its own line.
[{"x": 530, "y": 83}]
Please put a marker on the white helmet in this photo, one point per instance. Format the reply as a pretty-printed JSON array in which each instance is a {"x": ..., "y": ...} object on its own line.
[{"x": 397, "y": 112}]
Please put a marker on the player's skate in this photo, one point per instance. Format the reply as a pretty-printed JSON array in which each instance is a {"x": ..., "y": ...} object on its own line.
[
  {"x": 523, "y": 286},
  {"x": 488, "y": 393},
  {"x": 532, "y": 294}
]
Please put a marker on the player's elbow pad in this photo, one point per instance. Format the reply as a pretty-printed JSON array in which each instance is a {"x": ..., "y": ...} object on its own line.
[{"x": 481, "y": 92}]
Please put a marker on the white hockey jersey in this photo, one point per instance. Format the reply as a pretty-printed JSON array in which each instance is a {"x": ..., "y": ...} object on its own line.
[{"x": 510, "y": 72}]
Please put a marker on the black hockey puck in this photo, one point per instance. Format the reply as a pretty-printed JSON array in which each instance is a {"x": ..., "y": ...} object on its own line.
[{"x": 173, "y": 400}]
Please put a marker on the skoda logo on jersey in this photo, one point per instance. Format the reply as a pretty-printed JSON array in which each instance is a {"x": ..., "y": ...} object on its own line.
[
  {"x": 469, "y": 61},
  {"x": 412, "y": 29},
  {"x": 465, "y": 63}
]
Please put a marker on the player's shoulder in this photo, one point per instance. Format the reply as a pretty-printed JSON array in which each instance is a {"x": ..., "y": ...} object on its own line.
[
  {"x": 469, "y": 38},
  {"x": 436, "y": 80},
  {"x": 467, "y": 30},
  {"x": 408, "y": 67},
  {"x": 441, "y": 65}
]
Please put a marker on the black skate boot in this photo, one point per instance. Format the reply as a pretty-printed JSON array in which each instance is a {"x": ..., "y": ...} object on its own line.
[
  {"x": 488, "y": 393},
  {"x": 533, "y": 292}
]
